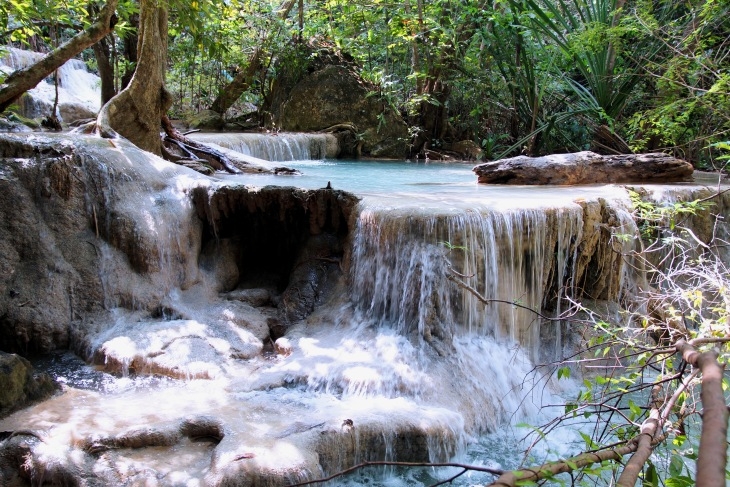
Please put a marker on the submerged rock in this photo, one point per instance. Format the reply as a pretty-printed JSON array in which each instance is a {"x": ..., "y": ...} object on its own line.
[{"x": 585, "y": 168}]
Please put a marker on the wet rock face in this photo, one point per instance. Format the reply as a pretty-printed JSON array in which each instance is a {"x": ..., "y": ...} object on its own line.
[
  {"x": 46, "y": 268},
  {"x": 86, "y": 228},
  {"x": 585, "y": 168},
  {"x": 80, "y": 232},
  {"x": 329, "y": 91}
]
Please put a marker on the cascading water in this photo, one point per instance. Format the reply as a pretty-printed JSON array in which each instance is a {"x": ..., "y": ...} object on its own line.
[
  {"x": 79, "y": 91},
  {"x": 282, "y": 146},
  {"x": 471, "y": 270}
]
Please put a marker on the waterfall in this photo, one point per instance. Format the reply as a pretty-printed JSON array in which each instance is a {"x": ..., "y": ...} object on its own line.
[
  {"x": 79, "y": 91},
  {"x": 282, "y": 146}
]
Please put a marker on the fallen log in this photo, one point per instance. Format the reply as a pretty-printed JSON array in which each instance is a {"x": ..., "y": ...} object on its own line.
[{"x": 585, "y": 168}]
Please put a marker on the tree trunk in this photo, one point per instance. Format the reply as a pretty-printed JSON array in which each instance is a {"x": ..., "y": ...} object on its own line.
[
  {"x": 137, "y": 111},
  {"x": 25, "y": 79},
  {"x": 131, "y": 44},
  {"x": 233, "y": 91},
  {"x": 102, "y": 53},
  {"x": 432, "y": 117},
  {"x": 433, "y": 113}
]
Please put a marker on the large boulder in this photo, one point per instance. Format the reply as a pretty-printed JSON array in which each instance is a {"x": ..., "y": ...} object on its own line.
[
  {"x": 585, "y": 168},
  {"x": 328, "y": 91}
]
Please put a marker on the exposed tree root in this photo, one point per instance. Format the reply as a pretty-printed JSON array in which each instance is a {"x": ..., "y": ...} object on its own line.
[
  {"x": 339, "y": 127},
  {"x": 194, "y": 150}
]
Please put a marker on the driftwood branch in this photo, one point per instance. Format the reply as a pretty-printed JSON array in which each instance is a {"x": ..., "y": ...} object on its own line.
[
  {"x": 193, "y": 148},
  {"x": 585, "y": 168},
  {"x": 338, "y": 127}
]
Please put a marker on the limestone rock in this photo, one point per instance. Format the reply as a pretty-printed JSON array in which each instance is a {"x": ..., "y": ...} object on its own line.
[
  {"x": 467, "y": 149},
  {"x": 80, "y": 230},
  {"x": 18, "y": 384},
  {"x": 316, "y": 270},
  {"x": 255, "y": 297},
  {"x": 585, "y": 168},
  {"x": 185, "y": 349},
  {"x": 219, "y": 259},
  {"x": 329, "y": 92},
  {"x": 206, "y": 119},
  {"x": 71, "y": 112},
  {"x": 283, "y": 346},
  {"x": 14, "y": 123},
  {"x": 245, "y": 316}
]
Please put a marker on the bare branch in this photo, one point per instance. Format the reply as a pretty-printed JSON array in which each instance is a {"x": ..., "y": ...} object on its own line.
[
  {"x": 493, "y": 471},
  {"x": 482, "y": 299}
]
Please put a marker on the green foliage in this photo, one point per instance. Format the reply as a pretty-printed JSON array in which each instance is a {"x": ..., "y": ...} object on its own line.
[
  {"x": 451, "y": 246},
  {"x": 211, "y": 42},
  {"x": 531, "y": 76},
  {"x": 686, "y": 296},
  {"x": 590, "y": 35},
  {"x": 564, "y": 373},
  {"x": 691, "y": 89},
  {"x": 23, "y": 20},
  {"x": 654, "y": 218}
]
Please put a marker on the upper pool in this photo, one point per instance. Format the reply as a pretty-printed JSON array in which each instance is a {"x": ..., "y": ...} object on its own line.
[{"x": 420, "y": 183}]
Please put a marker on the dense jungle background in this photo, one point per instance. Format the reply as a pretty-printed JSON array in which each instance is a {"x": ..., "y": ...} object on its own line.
[{"x": 510, "y": 77}]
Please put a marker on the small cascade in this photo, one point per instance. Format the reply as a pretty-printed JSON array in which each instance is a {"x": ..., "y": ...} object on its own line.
[
  {"x": 79, "y": 91},
  {"x": 483, "y": 271},
  {"x": 281, "y": 146}
]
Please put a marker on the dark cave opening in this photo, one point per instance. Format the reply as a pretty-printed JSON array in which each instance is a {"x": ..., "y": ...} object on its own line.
[{"x": 258, "y": 238}]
